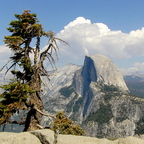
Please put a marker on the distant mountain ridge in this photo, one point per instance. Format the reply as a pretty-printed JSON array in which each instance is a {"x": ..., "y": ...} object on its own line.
[
  {"x": 135, "y": 84},
  {"x": 96, "y": 96}
]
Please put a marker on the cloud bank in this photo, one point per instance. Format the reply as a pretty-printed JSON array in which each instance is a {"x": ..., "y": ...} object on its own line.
[
  {"x": 5, "y": 53},
  {"x": 87, "y": 38}
]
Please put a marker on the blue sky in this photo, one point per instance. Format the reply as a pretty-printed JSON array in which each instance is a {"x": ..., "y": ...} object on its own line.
[{"x": 110, "y": 27}]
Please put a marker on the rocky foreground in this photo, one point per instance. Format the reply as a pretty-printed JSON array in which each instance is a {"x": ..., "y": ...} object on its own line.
[{"x": 47, "y": 136}]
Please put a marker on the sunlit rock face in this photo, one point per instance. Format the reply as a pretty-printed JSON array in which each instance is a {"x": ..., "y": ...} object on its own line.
[
  {"x": 105, "y": 71},
  {"x": 95, "y": 95},
  {"x": 100, "y": 69}
]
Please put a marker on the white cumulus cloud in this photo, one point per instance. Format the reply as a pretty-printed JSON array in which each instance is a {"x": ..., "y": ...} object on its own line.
[
  {"x": 137, "y": 67},
  {"x": 87, "y": 38},
  {"x": 5, "y": 53}
]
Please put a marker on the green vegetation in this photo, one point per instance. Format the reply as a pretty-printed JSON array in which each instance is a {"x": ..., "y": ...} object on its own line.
[
  {"x": 123, "y": 112},
  {"x": 102, "y": 115},
  {"x": 109, "y": 88},
  {"x": 63, "y": 125},
  {"x": 109, "y": 95},
  {"x": 140, "y": 127},
  {"x": 110, "y": 91},
  {"x": 70, "y": 105},
  {"x": 78, "y": 104},
  {"x": 121, "y": 118},
  {"x": 112, "y": 139},
  {"x": 23, "y": 93},
  {"x": 66, "y": 91},
  {"x": 74, "y": 104}
]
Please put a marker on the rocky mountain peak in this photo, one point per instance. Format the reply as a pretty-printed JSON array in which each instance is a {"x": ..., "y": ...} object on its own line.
[
  {"x": 95, "y": 96},
  {"x": 99, "y": 68}
]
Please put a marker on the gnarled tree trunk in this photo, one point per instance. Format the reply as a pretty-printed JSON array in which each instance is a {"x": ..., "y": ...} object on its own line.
[{"x": 33, "y": 120}]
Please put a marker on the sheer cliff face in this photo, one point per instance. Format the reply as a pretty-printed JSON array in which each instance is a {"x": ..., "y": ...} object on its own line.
[
  {"x": 100, "y": 69},
  {"x": 97, "y": 97}
]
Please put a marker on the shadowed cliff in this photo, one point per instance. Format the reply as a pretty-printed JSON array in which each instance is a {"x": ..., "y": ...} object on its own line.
[{"x": 96, "y": 96}]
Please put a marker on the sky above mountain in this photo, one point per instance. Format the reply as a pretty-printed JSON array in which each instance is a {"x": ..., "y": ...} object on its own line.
[{"x": 114, "y": 28}]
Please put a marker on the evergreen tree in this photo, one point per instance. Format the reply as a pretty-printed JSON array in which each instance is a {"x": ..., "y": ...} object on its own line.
[
  {"x": 23, "y": 93},
  {"x": 63, "y": 125}
]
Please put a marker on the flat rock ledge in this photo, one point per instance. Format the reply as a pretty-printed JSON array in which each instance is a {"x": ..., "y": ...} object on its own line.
[{"x": 47, "y": 136}]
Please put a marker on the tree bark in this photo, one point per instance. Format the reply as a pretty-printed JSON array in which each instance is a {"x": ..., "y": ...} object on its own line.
[{"x": 34, "y": 118}]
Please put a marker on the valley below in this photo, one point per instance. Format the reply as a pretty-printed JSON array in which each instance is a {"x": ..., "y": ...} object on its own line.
[{"x": 97, "y": 96}]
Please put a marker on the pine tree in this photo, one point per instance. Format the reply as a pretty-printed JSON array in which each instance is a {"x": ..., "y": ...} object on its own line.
[
  {"x": 23, "y": 93},
  {"x": 63, "y": 125}
]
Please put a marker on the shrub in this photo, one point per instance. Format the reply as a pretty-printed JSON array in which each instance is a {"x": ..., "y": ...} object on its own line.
[
  {"x": 66, "y": 91},
  {"x": 63, "y": 125}
]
